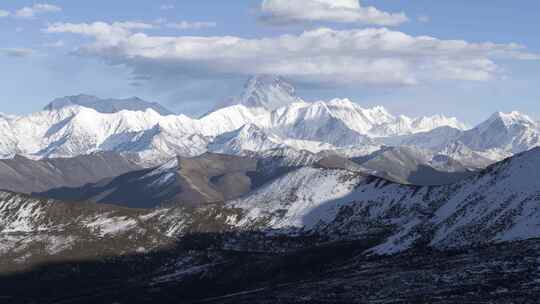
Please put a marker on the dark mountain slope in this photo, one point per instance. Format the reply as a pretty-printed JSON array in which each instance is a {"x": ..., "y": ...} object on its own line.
[
  {"x": 314, "y": 235},
  {"x": 24, "y": 175},
  {"x": 413, "y": 166},
  {"x": 189, "y": 181}
]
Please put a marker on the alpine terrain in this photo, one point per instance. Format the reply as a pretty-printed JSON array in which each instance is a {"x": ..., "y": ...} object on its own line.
[{"x": 268, "y": 198}]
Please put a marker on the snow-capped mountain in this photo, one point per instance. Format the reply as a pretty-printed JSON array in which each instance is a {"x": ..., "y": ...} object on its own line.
[
  {"x": 403, "y": 125},
  {"x": 410, "y": 165},
  {"x": 433, "y": 139},
  {"x": 504, "y": 133},
  {"x": 347, "y": 112},
  {"x": 106, "y": 105},
  {"x": 500, "y": 136},
  {"x": 157, "y": 145},
  {"x": 265, "y": 91},
  {"x": 350, "y": 224},
  {"x": 247, "y": 138},
  {"x": 268, "y": 115},
  {"x": 465, "y": 155},
  {"x": 498, "y": 204}
]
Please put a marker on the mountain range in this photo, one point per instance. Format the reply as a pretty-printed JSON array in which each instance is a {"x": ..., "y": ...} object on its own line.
[
  {"x": 495, "y": 205},
  {"x": 106, "y": 105},
  {"x": 208, "y": 178},
  {"x": 266, "y": 199},
  {"x": 311, "y": 226},
  {"x": 24, "y": 175},
  {"x": 267, "y": 115}
]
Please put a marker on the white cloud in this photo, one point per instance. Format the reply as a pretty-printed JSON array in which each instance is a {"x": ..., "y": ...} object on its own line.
[
  {"x": 4, "y": 13},
  {"x": 56, "y": 44},
  {"x": 186, "y": 25},
  {"x": 36, "y": 9},
  {"x": 342, "y": 11},
  {"x": 373, "y": 56},
  {"x": 133, "y": 25},
  {"x": 113, "y": 33},
  {"x": 16, "y": 52}
]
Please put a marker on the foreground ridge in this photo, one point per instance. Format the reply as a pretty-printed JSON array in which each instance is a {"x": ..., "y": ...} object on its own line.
[{"x": 340, "y": 219}]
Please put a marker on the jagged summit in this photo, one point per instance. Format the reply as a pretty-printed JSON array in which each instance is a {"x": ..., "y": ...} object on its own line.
[
  {"x": 510, "y": 132},
  {"x": 106, "y": 105},
  {"x": 510, "y": 119},
  {"x": 266, "y": 91},
  {"x": 267, "y": 115},
  {"x": 247, "y": 138}
]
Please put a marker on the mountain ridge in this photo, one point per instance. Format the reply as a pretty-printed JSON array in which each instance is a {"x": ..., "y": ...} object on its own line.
[
  {"x": 328, "y": 201},
  {"x": 110, "y": 105},
  {"x": 314, "y": 225},
  {"x": 338, "y": 125}
]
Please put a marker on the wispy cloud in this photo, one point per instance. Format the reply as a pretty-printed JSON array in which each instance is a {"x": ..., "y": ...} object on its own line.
[
  {"x": 134, "y": 25},
  {"x": 4, "y": 13},
  {"x": 281, "y": 12},
  {"x": 16, "y": 52},
  {"x": 166, "y": 7},
  {"x": 37, "y": 9},
  {"x": 136, "y": 84},
  {"x": 186, "y": 25},
  {"x": 55, "y": 44}
]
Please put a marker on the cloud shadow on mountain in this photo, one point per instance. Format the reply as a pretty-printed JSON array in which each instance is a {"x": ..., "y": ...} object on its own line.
[
  {"x": 216, "y": 270},
  {"x": 203, "y": 268}
]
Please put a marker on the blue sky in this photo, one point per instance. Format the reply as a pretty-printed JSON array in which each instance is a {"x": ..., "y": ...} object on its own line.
[{"x": 47, "y": 51}]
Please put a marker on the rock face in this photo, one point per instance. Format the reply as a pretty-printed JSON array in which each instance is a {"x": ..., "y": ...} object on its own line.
[
  {"x": 498, "y": 204},
  {"x": 34, "y": 231},
  {"x": 335, "y": 199},
  {"x": 207, "y": 178},
  {"x": 24, "y": 175},
  {"x": 409, "y": 165}
]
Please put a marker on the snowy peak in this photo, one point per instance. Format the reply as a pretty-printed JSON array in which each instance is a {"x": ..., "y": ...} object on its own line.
[
  {"x": 403, "y": 125},
  {"x": 106, "y": 105},
  {"x": 250, "y": 131},
  {"x": 424, "y": 123},
  {"x": 510, "y": 119},
  {"x": 277, "y": 97},
  {"x": 355, "y": 117},
  {"x": 67, "y": 101},
  {"x": 503, "y": 122},
  {"x": 267, "y": 115},
  {"x": 266, "y": 91},
  {"x": 503, "y": 133},
  {"x": 247, "y": 138}
]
